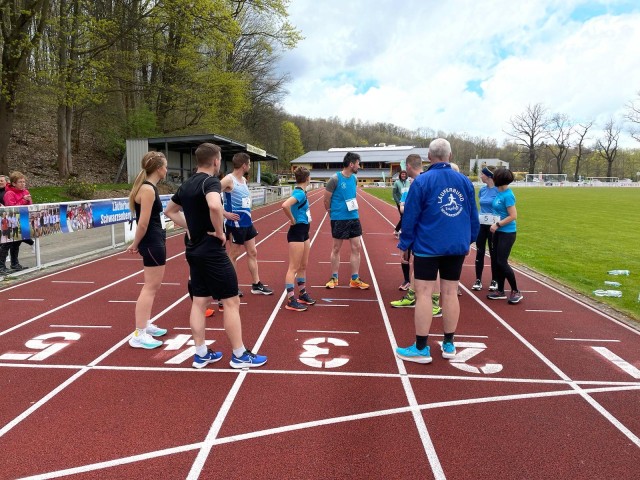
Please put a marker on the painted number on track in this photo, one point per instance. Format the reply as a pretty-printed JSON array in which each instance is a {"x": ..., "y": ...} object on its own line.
[
  {"x": 470, "y": 350},
  {"x": 180, "y": 341},
  {"x": 312, "y": 351},
  {"x": 45, "y": 349}
]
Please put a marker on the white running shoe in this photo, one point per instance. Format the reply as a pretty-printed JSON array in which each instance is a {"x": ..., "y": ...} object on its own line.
[
  {"x": 143, "y": 340},
  {"x": 155, "y": 331}
]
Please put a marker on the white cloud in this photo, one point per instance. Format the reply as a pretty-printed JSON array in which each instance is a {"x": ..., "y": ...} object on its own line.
[{"x": 418, "y": 58}]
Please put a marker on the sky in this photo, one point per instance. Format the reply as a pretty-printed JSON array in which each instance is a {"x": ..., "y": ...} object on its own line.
[{"x": 464, "y": 66}]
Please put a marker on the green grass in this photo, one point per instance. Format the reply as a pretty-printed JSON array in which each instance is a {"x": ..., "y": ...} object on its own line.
[
  {"x": 576, "y": 235},
  {"x": 59, "y": 194}
]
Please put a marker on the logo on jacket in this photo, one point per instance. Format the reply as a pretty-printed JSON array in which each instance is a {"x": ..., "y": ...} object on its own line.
[{"x": 450, "y": 200}]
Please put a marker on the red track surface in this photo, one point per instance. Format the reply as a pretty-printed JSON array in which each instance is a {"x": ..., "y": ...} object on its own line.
[{"x": 549, "y": 388}]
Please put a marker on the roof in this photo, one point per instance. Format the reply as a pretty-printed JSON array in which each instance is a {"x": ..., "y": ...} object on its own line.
[
  {"x": 362, "y": 173},
  {"x": 379, "y": 154},
  {"x": 188, "y": 143}
]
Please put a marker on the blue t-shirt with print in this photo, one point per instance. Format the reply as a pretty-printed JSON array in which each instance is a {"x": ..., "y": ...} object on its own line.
[
  {"x": 500, "y": 204},
  {"x": 300, "y": 208}
]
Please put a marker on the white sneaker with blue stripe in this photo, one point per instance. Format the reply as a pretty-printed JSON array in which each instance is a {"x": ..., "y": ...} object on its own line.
[
  {"x": 412, "y": 354},
  {"x": 143, "y": 340},
  {"x": 247, "y": 360},
  {"x": 210, "y": 357}
]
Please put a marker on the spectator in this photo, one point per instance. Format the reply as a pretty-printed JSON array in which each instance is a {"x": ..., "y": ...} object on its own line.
[
  {"x": 15, "y": 194},
  {"x": 400, "y": 188}
]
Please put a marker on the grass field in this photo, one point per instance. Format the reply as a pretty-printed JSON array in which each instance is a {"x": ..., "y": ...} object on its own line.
[{"x": 576, "y": 235}]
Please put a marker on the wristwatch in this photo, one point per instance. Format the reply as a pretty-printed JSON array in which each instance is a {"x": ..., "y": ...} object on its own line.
[{"x": 498, "y": 224}]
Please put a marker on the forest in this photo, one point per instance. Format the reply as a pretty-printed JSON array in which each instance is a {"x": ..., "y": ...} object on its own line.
[{"x": 79, "y": 77}]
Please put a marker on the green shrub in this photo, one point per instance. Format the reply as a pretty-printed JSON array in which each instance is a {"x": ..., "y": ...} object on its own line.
[{"x": 80, "y": 190}]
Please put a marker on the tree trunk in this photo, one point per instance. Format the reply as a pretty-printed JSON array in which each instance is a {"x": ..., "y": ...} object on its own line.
[
  {"x": 7, "y": 114},
  {"x": 63, "y": 145}
]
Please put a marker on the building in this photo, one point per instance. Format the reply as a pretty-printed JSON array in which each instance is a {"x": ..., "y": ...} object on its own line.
[
  {"x": 377, "y": 164},
  {"x": 482, "y": 162}
]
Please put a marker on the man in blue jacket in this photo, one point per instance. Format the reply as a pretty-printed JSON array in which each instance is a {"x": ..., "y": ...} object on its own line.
[{"x": 439, "y": 224}]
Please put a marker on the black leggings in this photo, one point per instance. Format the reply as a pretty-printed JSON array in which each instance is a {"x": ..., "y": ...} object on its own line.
[
  {"x": 399, "y": 225},
  {"x": 502, "y": 244},
  {"x": 484, "y": 237}
]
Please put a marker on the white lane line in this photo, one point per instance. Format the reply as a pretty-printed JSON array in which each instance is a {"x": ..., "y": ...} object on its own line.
[
  {"x": 80, "y": 326},
  {"x": 619, "y": 362},
  {"x": 421, "y": 426},
  {"x": 203, "y": 454},
  {"x": 325, "y": 331},
  {"x": 598, "y": 340},
  {"x": 26, "y": 299},
  {"x": 545, "y": 311},
  {"x": 69, "y": 281}
]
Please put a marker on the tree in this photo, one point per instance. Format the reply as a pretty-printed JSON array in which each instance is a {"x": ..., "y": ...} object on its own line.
[
  {"x": 21, "y": 26},
  {"x": 633, "y": 115},
  {"x": 291, "y": 143},
  {"x": 581, "y": 132},
  {"x": 559, "y": 130},
  {"x": 529, "y": 129},
  {"x": 607, "y": 146}
]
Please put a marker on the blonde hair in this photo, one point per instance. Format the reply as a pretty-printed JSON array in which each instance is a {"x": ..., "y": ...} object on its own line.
[
  {"x": 151, "y": 162},
  {"x": 15, "y": 176},
  {"x": 454, "y": 166}
]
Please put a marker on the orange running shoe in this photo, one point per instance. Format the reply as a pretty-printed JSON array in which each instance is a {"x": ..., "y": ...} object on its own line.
[
  {"x": 358, "y": 283},
  {"x": 209, "y": 312},
  {"x": 332, "y": 283}
]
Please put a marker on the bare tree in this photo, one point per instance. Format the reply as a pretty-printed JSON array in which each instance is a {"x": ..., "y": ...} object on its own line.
[
  {"x": 559, "y": 131},
  {"x": 581, "y": 132},
  {"x": 529, "y": 129},
  {"x": 633, "y": 115},
  {"x": 607, "y": 146}
]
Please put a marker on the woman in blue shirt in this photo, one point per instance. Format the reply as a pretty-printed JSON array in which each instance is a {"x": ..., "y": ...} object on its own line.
[
  {"x": 296, "y": 208},
  {"x": 486, "y": 195},
  {"x": 504, "y": 235}
]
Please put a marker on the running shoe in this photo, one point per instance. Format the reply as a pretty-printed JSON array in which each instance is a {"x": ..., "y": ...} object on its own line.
[
  {"x": 408, "y": 301},
  {"x": 143, "y": 340},
  {"x": 220, "y": 307},
  {"x": 412, "y": 354},
  {"x": 436, "y": 311},
  {"x": 247, "y": 360},
  {"x": 497, "y": 296},
  {"x": 306, "y": 299},
  {"x": 494, "y": 286},
  {"x": 294, "y": 305},
  {"x": 459, "y": 292},
  {"x": 209, "y": 312},
  {"x": 3, "y": 269},
  {"x": 261, "y": 289},
  {"x": 448, "y": 350},
  {"x": 396, "y": 234},
  {"x": 240, "y": 294},
  {"x": 405, "y": 286},
  {"x": 358, "y": 283},
  {"x": 515, "y": 297},
  {"x": 16, "y": 266},
  {"x": 477, "y": 285},
  {"x": 155, "y": 331},
  {"x": 210, "y": 357},
  {"x": 332, "y": 283}
]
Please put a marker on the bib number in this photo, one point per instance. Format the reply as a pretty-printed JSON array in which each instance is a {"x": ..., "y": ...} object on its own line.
[
  {"x": 488, "y": 219},
  {"x": 352, "y": 204},
  {"x": 246, "y": 202},
  {"x": 163, "y": 222},
  {"x": 309, "y": 216}
]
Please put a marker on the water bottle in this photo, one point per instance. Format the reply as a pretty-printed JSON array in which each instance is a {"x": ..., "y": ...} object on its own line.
[
  {"x": 613, "y": 284},
  {"x": 618, "y": 272},
  {"x": 608, "y": 293}
]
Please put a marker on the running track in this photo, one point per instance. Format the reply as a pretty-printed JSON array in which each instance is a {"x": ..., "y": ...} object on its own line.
[{"x": 549, "y": 388}]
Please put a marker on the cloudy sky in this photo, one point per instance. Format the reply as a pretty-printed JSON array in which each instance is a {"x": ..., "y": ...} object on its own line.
[{"x": 463, "y": 65}]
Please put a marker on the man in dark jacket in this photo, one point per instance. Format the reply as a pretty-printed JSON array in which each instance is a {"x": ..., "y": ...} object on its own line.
[{"x": 439, "y": 225}]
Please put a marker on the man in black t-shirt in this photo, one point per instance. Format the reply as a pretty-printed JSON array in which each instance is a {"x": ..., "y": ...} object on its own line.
[{"x": 197, "y": 206}]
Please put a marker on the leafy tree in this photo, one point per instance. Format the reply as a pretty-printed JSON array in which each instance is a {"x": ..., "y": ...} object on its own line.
[{"x": 291, "y": 143}]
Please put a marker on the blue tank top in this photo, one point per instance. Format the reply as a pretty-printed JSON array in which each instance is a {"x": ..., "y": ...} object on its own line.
[
  {"x": 345, "y": 192},
  {"x": 238, "y": 201},
  {"x": 300, "y": 210}
]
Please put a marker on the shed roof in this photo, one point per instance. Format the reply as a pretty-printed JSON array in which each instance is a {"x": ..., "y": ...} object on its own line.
[{"x": 229, "y": 147}]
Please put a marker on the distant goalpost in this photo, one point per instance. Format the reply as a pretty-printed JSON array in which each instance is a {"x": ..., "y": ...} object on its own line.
[
  {"x": 602, "y": 179},
  {"x": 545, "y": 178}
]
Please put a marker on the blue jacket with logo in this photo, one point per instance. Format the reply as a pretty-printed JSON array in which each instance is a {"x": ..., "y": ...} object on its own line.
[{"x": 440, "y": 214}]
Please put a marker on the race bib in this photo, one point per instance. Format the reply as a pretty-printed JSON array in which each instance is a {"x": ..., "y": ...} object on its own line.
[
  {"x": 488, "y": 219},
  {"x": 163, "y": 221},
  {"x": 352, "y": 204},
  {"x": 246, "y": 202},
  {"x": 309, "y": 216},
  {"x": 404, "y": 189}
]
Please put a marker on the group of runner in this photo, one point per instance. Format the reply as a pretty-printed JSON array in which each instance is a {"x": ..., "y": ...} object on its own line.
[{"x": 438, "y": 233}]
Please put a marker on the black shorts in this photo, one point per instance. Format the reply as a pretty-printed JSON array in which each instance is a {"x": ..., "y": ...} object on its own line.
[
  {"x": 213, "y": 275},
  {"x": 298, "y": 233},
  {"x": 427, "y": 268},
  {"x": 345, "y": 229},
  {"x": 153, "y": 255},
  {"x": 239, "y": 235}
]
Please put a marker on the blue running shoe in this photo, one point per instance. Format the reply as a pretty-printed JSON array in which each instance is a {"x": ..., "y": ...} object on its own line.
[
  {"x": 448, "y": 350},
  {"x": 412, "y": 354},
  {"x": 210, "y": 357},
  {"x": 247, "y": 360},
  {"x": 306, "y": 299}
]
